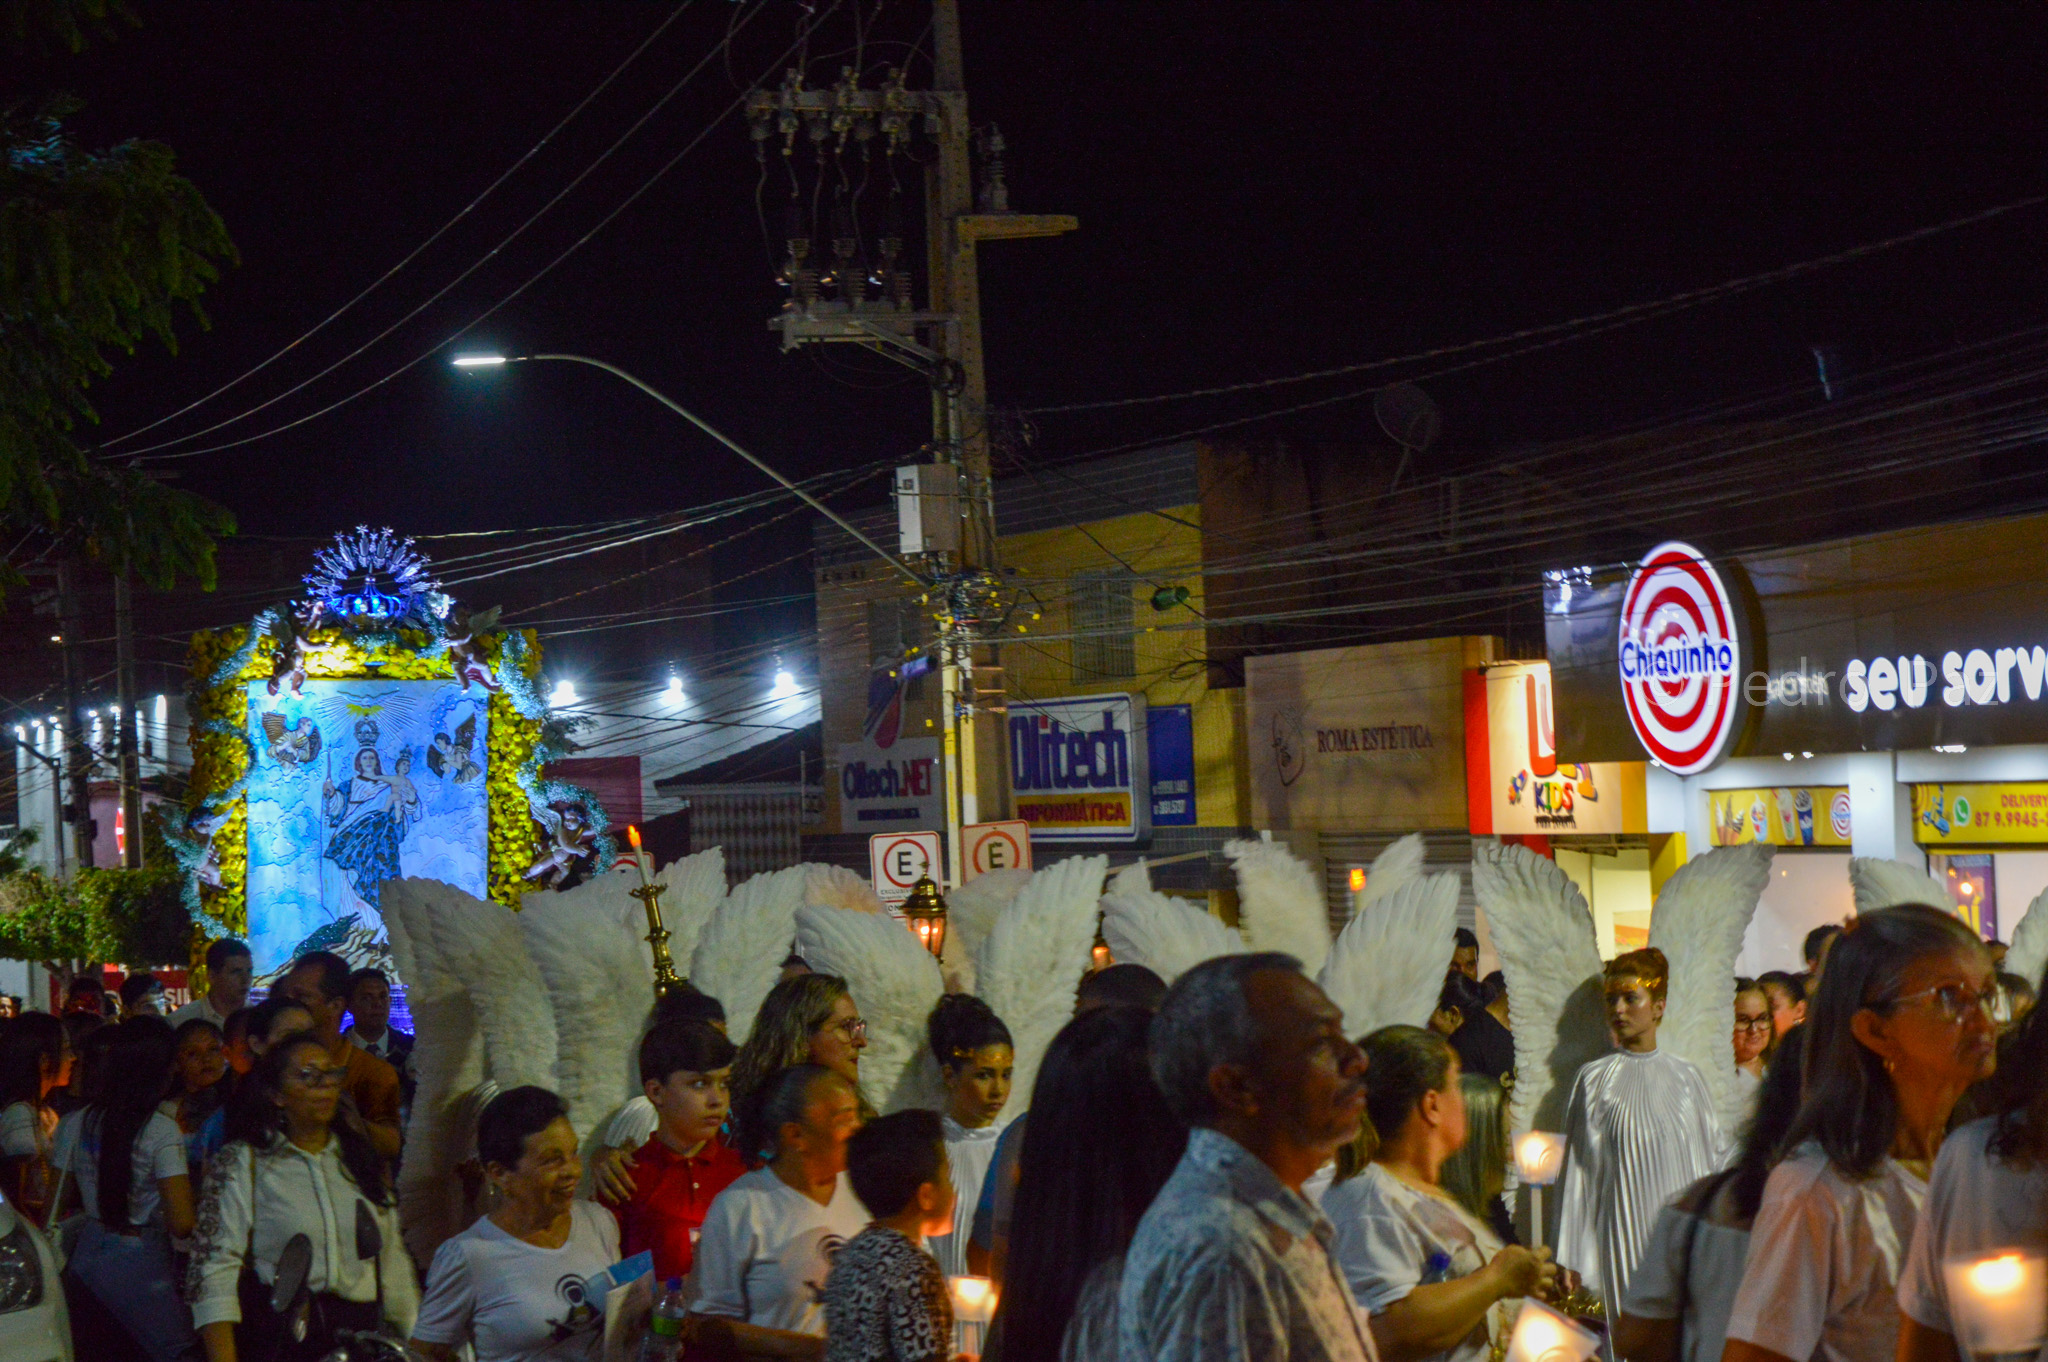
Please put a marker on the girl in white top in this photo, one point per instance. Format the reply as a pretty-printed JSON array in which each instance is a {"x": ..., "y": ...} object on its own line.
[
  {"x": 976, "y": 1062},
  {"x": 1899, "y": 1028},
  {"x": 769, "y": 1238},
  {"x": 1678, "y": 1301},
  {"x": 513, "y": 1284},
  {"x": 1435, "y": 1278},
  {"x": 126, "y": 1163},
  {"x": 294, "y": 1165},
  {"x": 1989, "y": 1193},
  {"x": 35, "y": 1062}
]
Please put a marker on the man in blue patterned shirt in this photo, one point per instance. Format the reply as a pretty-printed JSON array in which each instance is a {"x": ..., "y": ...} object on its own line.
[{"x": 1231, "y": 1261}]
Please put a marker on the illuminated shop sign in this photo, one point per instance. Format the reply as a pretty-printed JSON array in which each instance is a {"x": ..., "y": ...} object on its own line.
[
  {"x": 1078, "y": 767},
  {"x": 1679, "y": 660},
  {"x": 1981, "y": 676}
]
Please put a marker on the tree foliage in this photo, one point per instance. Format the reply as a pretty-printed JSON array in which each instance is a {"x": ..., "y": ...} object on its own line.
[
  {"x": 99, "y": 251},
  {"x": 133, "y": 917}
]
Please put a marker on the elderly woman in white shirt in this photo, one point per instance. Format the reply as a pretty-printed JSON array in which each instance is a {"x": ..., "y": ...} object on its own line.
[
  {"x": 1436, "y": 1279},
  {"x": 294, "y": 1164},
  {"x": 1898, "y": 1030}
]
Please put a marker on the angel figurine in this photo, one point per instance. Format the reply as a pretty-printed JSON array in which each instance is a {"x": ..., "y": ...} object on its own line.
[
  {"x": 453, "y": 758},
  {"x": 569, "y": 839},
  {"x": 290, "y": 626},
  {"x": 205, "y": 826},
  {"x": 294, "y": 745},
  {"x": 464, "y": 654}
]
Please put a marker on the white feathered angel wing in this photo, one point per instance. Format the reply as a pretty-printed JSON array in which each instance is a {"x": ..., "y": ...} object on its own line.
[
  {"x": 1393, "y": 869},
  {"x": 1164, "y": 934},
  {"x": 589, "y": 945},
  {"x": 1280, "y": 905},
  {"x": 834, "y": 886},
  {"x": 1549, "y": 952},
  {"x": 2029, "y": 951},
  {"x": 1880, "y": 883},
  {"x": 1389, "y": 962},
  {"x": 971, "y": 915},
  {"x": 740, "y": 952},
  {"x": 1033, "y": 961},
  {"x": 696, "y": 886},
  {"x": 1698, "y": 922},
  {"x": 447, "y": 1062},
  {"x": 895, "y": 983}
]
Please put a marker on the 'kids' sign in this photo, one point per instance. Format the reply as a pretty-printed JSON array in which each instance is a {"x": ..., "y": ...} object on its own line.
[{"x": 1681, "y": 664}]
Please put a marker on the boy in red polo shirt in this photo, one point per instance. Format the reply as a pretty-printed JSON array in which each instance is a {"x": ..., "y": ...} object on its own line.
[{"x": 684, "y": 1068}]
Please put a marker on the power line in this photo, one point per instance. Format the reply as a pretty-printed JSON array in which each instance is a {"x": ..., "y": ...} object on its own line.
[
  {"x": 1634, "y": 312},
  {"x": 438, "y": 233},
  {"x": 508, "y": 298}
]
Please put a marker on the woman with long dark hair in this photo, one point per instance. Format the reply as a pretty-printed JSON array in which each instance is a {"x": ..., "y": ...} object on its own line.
[
  {"x": 1100, "y": 1145},
  {"x": 35, "y": 1064},
  {"x": 1899, "y": 1028},
  {"x": 295, "y": 1163},
  {"x": 976, "y": 1060},
  {"x": 1989, "y": 1192},
  {"x": 805, "y": 1019},
  {"x": 1684, "y": 1287},
  {"x": 1436, "y": 1279},
  {"x": 127, "y": 1161}
]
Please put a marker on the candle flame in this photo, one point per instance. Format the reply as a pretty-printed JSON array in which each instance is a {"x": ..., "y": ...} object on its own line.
[
  {"x": 1998, "y": 1276},
  {"x": 633, "y": 836}
]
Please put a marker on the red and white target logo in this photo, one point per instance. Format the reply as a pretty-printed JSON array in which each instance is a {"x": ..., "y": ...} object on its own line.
[{"x": 1681, "y": 666}]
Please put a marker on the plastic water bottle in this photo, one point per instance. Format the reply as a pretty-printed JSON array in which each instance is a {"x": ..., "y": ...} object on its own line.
[
  {"x": 665, "y": 1328},
  {"x": 1436, "y": 1268}
]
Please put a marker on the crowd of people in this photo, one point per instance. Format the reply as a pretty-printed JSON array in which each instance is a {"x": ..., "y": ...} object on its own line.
[{"x": 1208, "y": 1170}]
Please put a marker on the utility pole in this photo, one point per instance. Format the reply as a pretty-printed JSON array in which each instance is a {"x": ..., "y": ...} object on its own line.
[
  {"x": 77, "y": 756},
  {"x": 131, "y": 762},
  {"x": 942, "y": 341}
]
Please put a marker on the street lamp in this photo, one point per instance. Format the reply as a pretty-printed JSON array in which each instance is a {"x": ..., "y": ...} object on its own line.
[{"x": 492, "y": 361}]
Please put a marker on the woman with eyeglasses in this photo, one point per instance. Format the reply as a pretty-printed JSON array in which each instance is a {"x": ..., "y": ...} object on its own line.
[
  {"x": 1755, "y": 1037},
  {"x": 294, "y": 1164},
  {"x": 1988, "y": 1195},
  {"x": 805, "y": 1019},
  {"x": 1899, "y": 1028}
]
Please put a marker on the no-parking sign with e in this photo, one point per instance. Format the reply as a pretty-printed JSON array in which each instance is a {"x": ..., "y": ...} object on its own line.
[
  {"x": 996, "y": 846},
  {"x": 899, "y": 859}
]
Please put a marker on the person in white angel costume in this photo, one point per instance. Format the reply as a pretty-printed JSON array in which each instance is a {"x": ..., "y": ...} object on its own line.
[{"x": 1630, "y": 1060}]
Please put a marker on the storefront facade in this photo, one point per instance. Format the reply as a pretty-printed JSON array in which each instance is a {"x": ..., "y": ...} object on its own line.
[{"x": 1886, "y": 696}]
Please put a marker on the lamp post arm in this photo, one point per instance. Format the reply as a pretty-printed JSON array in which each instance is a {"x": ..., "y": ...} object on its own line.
[{"x": 700, "y": 423}]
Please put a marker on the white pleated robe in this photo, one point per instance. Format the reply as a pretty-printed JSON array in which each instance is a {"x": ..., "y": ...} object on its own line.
[{"x": 1640, "y": 1128}]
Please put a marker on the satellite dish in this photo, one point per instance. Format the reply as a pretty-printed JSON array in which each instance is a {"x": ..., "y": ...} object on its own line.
[{"x": 1410, "y": 418}]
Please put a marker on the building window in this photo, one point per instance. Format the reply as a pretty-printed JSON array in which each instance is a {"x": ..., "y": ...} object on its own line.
[{"x": 1104, "y": 625}]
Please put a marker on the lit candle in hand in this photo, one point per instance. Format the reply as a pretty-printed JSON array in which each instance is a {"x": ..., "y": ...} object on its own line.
[
  {"x": 639, "y": 856},
  {"x": 1999, "y": 1302}
]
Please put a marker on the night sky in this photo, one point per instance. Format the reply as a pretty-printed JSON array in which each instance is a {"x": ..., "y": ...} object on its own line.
[{"x": 1263, "y": 189}]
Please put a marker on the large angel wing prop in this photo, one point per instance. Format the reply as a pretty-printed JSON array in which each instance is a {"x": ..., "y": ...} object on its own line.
[
  {"x": 834, "y": 886},
  {"x": 1033, "y": 961},
  {"x": 895, "y": 982},
  {"x": 740, "y": 952},
  {"x": 971, "y": 912},
  {"x": 1698, "y": 923},
  {"x": 447, "y": 1062},
  {"x": 696, "y": 886},
  {"x": 1880, "y": 883},
  {"x": 485, "y": 945},
  {"x": 1399, "y": 865},
  {"x": 1279, "y": 903},
  {"x": 1389, "y": 962},
  {"x": 2029, "y": 951},
  {"x": 600, "y": 977},
  {"x": 1162, "y": 933},
  {"x": 1548, "y": 950}
]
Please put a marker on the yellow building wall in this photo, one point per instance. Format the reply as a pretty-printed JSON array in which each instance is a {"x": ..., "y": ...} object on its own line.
[{"x": 1168, "y": 646}]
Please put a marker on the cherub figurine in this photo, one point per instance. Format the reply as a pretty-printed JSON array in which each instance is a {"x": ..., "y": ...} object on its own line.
[
  {"x": 570, "y": 839},
  {"x": 463, "y": 653},
  {"x": 290, "y": 629},
  {"x": 206, "y": 825}
]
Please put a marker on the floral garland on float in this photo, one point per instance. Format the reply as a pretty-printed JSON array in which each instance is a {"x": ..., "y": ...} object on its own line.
[{"x": 372, "y": 729}]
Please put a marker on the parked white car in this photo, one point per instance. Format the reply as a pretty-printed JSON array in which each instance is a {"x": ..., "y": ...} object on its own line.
[{"x": 34, "y": 1324}]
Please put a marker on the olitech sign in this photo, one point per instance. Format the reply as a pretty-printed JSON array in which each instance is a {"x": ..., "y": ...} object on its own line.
[{"x": 1078, "y": 768}]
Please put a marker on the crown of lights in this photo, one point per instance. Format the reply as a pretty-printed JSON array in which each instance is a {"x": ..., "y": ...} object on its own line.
[{"x": 372, "y": 575}]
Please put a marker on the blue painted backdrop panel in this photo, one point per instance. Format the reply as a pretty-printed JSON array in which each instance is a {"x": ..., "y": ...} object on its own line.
[{"x": 396, "y": 788}]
